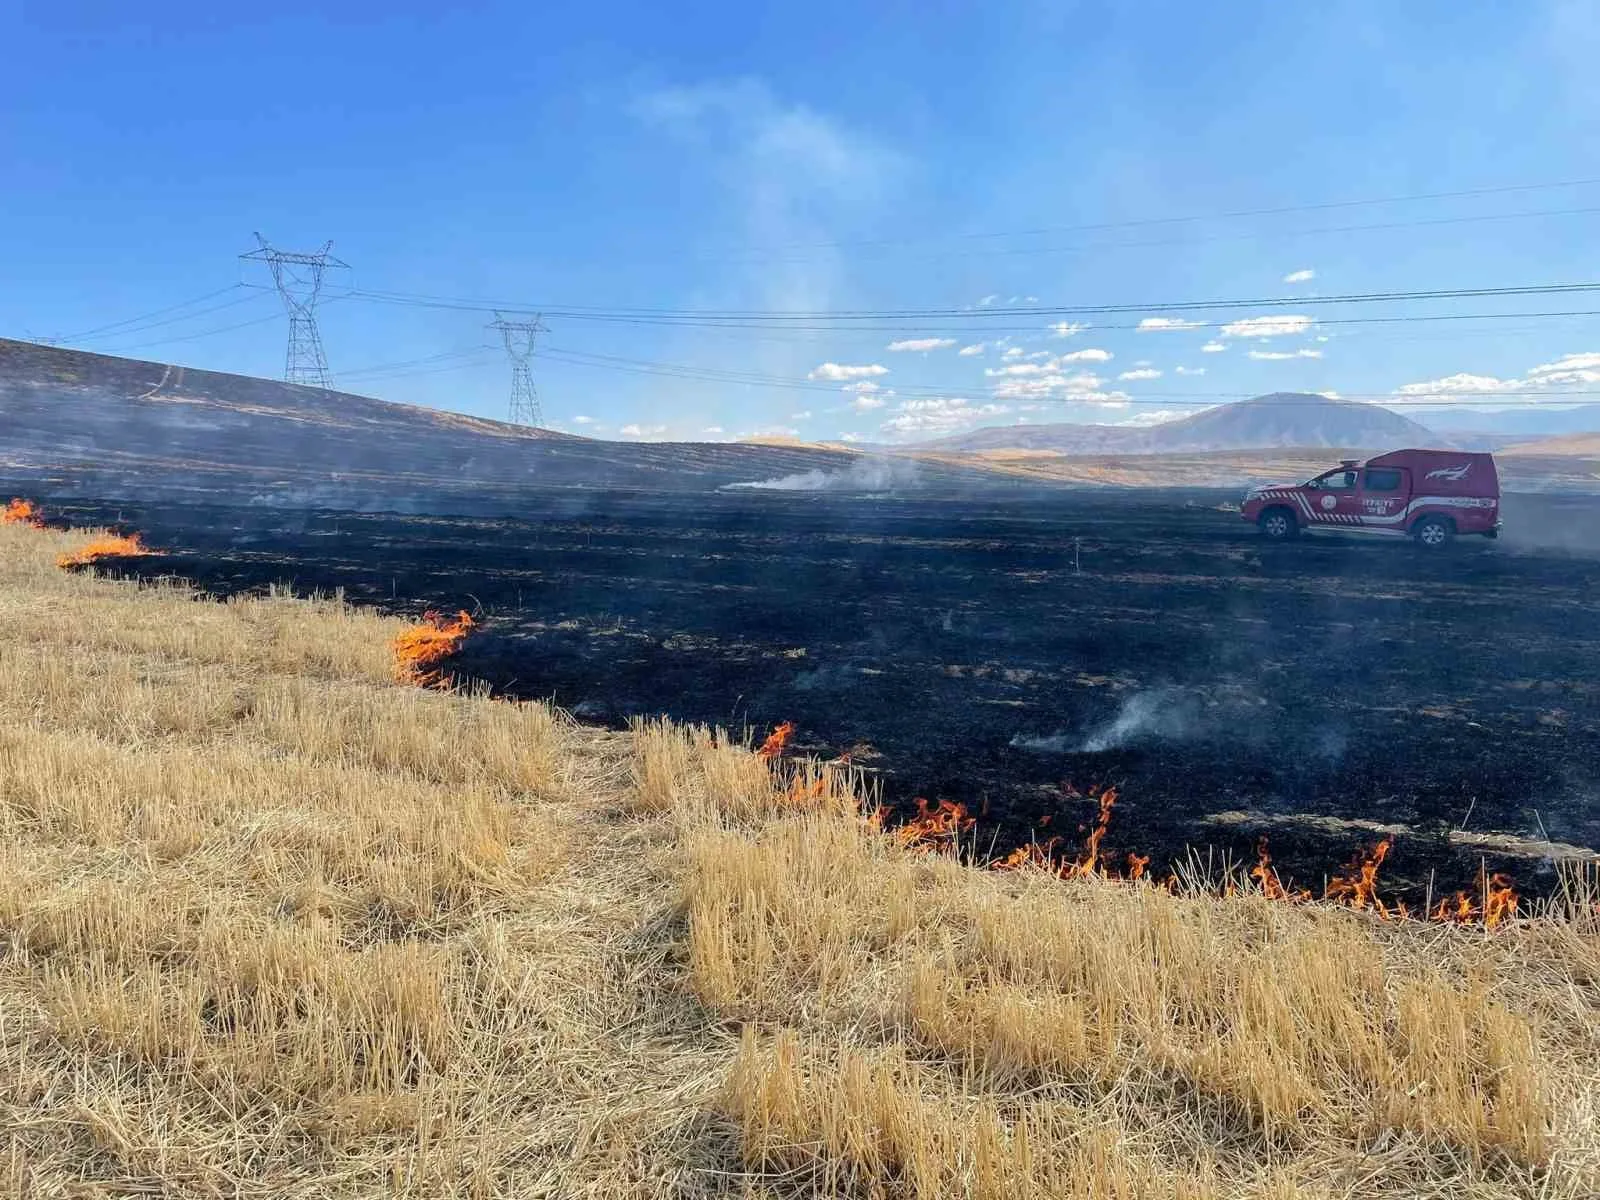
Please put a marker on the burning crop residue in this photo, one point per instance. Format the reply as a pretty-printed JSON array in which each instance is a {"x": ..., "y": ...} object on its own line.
[
  {"x": 22, "y": 512},
  {"x": 938, "y": 828},
  {"x": 776, "y": 741},
  {"x": 419, "y": 650},
  {"x": 935, "y": 827},
  {"x": 110, "y": 545}
]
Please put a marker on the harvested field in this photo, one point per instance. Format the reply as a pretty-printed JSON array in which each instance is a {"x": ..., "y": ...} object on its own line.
[
  {"x": 1017, "y": 656},
  {"x": 275, "y": 925}
]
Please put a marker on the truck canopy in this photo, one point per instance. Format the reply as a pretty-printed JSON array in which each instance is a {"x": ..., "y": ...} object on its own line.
[{"x": 1445, "y": 472}]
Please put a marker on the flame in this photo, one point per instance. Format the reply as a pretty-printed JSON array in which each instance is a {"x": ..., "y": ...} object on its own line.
[
  {"x": 1499, "y": 905},
  {"x": 1357, "y": 887},
  {"x": 1034, "y": 854},
  {"x": 1136, "y": 865},
  {"x": 417, "y": 649},
  {"x": 21, "y": 512},
  {"x": 110, "y": 545},
  {"x": 1264, "y": 874},
  {"x": 936, "y": 825},
  {"x": 1090, "y": 863},
  {"x": 776, "y": 740},
  {"x": 1499, "y": 900}
]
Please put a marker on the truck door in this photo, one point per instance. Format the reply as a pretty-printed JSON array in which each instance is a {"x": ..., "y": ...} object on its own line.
[
  {"x": 1334, "y": 498},
  {"x": 1383, "y": 495}
]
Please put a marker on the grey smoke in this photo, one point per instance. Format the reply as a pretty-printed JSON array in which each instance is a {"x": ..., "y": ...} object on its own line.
[{"x": 863, "y": 475}]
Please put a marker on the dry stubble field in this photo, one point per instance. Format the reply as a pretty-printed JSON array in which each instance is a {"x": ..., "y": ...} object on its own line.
[{"x": 272, "y": 924}]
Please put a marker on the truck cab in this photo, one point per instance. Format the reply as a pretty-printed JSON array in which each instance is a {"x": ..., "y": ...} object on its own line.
[{"x": 1432, "y": 496}]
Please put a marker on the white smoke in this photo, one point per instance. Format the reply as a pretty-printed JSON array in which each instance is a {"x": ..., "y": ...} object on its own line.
[
  {"x": 1167, "y": 713},
  {"x": 863, "y": 475}
]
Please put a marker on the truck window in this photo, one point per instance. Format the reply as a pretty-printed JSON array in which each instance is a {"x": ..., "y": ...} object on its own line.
[
  {"x": 1382, "y": 479},
  {"x": 1337, "y": 481}
]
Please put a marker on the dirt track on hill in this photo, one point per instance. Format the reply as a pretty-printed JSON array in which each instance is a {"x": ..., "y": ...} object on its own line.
[{"x": 991, "y": 652}]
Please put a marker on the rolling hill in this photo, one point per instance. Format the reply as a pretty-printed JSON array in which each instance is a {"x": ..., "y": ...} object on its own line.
[{"x": 74, "y": 423}]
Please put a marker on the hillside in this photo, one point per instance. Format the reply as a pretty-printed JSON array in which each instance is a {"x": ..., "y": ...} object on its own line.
[
  {"x": 277, "y": 926},
  {"x": 78, "y": 423}
]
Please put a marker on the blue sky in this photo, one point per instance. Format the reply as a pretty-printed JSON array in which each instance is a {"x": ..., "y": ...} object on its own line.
[{"x": 820, "y": 158}]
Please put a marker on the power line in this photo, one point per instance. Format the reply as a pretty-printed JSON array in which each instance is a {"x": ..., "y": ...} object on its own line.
[
  {"x": 140, "y": 320},
  {"x": 1237, "y": 214},
  {"x": 1243, "y": 235},
  {"x": 784, "y": 319},
  {"x": 752, "y": 379}
]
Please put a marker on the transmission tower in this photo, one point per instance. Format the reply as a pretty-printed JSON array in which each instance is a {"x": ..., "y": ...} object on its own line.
[
  {"x": 298, "y": 278},
  {"x": 519, "y": 337}
]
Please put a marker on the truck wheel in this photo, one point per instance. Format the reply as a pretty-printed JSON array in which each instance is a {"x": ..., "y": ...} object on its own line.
[
  {"x": 1277, "y": 525},
  {"x": 1433, "y": 532}
]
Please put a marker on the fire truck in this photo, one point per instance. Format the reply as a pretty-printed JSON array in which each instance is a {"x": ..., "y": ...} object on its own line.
[{"x": 1432, "y": 496}]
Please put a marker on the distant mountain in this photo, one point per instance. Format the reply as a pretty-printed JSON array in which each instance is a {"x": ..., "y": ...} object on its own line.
[
  {"x": 1529, "y": 420},
  {"x": 1276, "y": 420}
]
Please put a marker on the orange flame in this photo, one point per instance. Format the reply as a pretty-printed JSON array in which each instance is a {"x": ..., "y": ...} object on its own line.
[
  {"x": 1264, "y": 874},
  {"x": 417, "y": 649},
  {"x": 110, "y": 545},
  {"x": 776, "y": 740},
  {"x": 21, "y": 512},
  {"x": 1090, "y": 863},
  {"x": 1500, "y": 902},
  {"x": 1034, "y": 854},
  {"x": 933, "y": 826},
  {"x": 1357, "y": 887}
]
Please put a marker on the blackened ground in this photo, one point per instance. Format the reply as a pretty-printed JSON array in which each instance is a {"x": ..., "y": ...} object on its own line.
[{"x": 993, "y": 651}]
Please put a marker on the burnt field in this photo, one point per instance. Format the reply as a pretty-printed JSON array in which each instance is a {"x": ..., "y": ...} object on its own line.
[{"x": 1010, "y": 653}]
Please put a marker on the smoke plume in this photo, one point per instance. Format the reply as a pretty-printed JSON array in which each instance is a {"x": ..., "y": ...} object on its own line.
[{"x": 864, "y": 475}]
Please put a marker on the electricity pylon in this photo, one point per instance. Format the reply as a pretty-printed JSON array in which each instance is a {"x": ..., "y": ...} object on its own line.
[
  {"x": 298, "y": 278},
  {"x": 518, "y": 336}
]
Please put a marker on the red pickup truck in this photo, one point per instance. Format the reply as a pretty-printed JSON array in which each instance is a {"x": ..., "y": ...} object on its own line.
[{"x": 1430, "y": 495}]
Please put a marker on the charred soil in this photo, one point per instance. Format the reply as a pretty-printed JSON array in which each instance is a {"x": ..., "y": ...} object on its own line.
[{"x": 1016, "y": 655}]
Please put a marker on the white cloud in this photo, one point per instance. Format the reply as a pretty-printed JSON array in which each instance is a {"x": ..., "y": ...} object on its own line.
[
  {"x": 713, "y": 429},
  {"x": 642, "y": 431},
  {"x": 1159, "y": 416},
  {"x": 839, "y": 372},
  {"x": 1013, "y": 352},
  {"x": 1275, "y": 325},
  {"x": 1090, "y": 354},
  {"x": 1142, "y": 373},
  {"x": 801, "y": 416},
  {"x": 1213, "y": 347},
  {"x": 1020, "y": 369},
  {"x": 1066, "y": 328},
  {"x": 851, "y": 437},
  {"x": 1570, "y": 368},
  {"x": 924, "y": 417},
  {"x": 1458, "y": 383},
  {"x": 933, "y": 343},
  {"x": 1191, "y": 370},
  {"x": 988, "y": 300},
  {"x": 583, "y": 420},
  {"x": 1161, "y": 324},
  {"x": 1304, "y": 275},
  {"x": 971, "y": 351},
  {"x": 862, "y": 385},
  {"x": 1280, "y": 355},
  {"x": 866, "y": 402},
  {"x": 776, "y": 431}
]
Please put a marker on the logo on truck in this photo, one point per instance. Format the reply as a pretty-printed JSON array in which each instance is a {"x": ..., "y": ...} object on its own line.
[
  {"x": 1329, "y": 503},
  {"x": 1453, "y": 474}
]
